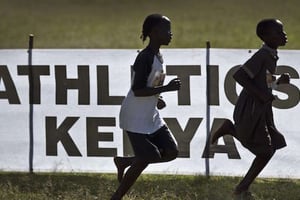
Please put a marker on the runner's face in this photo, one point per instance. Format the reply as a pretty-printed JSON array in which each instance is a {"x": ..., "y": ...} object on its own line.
[
  {"x": 164, "y": 33},
  {"x": 277, "y": 36}
]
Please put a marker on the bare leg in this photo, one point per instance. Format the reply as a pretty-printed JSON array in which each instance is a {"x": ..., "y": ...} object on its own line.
[
  {"x": 122, "y": 163},
  {"x": 129, "y": 179},
  {"x": 226, "y": 128},
  {"x": 155, "y": 148},
  {"x": 257, "y": 166}
]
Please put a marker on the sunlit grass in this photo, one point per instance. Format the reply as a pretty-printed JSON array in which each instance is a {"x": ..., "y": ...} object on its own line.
[
  {"x": 117, "y": 24},
  {"x": 148, "y": 187}
]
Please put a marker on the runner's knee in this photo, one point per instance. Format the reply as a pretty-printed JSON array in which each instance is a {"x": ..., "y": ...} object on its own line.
[
  {"x": 267, "y": 154},
  {"x": 170, "y": 154}
]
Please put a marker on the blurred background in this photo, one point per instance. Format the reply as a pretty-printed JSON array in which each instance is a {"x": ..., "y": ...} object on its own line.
[{"x": 118, "y": 23}]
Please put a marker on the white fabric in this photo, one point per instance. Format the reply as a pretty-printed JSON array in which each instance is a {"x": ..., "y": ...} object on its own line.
[{"x": 139, "y": 114}]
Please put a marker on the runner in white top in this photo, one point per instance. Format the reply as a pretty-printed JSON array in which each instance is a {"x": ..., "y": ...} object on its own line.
[
  {"x": 151, "y": 139},
  {"x": 140, "y": 114}
]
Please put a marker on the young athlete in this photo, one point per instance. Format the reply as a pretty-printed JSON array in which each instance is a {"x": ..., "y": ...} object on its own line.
[
  {"x": 151, "y": 140},
  {"x": 253, "y": 118}
]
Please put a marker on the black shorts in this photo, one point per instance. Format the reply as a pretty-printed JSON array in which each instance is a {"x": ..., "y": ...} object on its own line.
[{"x": 150, "y": 147}]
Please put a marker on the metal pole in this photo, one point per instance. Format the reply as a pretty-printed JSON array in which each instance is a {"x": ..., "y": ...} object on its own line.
[
  {"x": 207, "y": 170},
  {"x": 31, "y": 91}
]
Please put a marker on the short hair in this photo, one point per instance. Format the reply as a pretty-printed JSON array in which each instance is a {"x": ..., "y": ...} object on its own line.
[
  {"x": 149, "y": 23},
  {"x": 263, "y": 27}
]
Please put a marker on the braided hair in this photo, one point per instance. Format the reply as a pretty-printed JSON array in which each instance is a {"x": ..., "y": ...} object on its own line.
[{"x": 150, "y": 22}]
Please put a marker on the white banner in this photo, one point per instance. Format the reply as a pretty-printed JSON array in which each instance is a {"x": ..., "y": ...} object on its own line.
[{"x": 76, "y": 101}]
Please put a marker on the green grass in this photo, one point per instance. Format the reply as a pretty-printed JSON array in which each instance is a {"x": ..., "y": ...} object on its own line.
[
  {"x": 117, "y": 23},
  {"x": 61, "y": 186}
]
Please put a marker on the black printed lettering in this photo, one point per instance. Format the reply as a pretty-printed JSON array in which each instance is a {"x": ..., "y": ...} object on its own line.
[
  {"x": 213, "y": 85},
  {"x": 183, "y": 136},
  {"x": 10, "y": 92},
  {"x": 56, "y": 134},
  {"x": 103, "y": 88},
  {"x": 184, "y": 72},
  {"x": 289, "y": 89},
  {"x": 34, "y": 73},
  {"x": 63, "y": 84},
  {"x": 93, "y": 137}
]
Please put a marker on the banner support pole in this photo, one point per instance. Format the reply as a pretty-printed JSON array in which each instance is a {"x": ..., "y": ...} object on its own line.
[
  {"x": 207, "y": 167},
  {"x": 31, "y": 89}
]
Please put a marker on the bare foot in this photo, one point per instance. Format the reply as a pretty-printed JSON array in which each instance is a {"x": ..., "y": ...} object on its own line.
[
  {"x": 226, "y": 128},
  {"x": 120, "y": 167}
]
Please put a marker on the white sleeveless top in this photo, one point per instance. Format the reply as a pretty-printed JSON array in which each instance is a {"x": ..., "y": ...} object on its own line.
[{"x": 140, "y": 114}]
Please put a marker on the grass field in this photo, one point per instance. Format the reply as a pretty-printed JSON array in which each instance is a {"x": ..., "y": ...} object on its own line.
[
  {"x": 117, "y": 24},
  {"x": 20, "y": 186}
]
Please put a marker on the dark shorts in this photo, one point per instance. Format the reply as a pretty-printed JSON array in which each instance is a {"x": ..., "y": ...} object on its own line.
[{"x": 154, "y": 147}]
